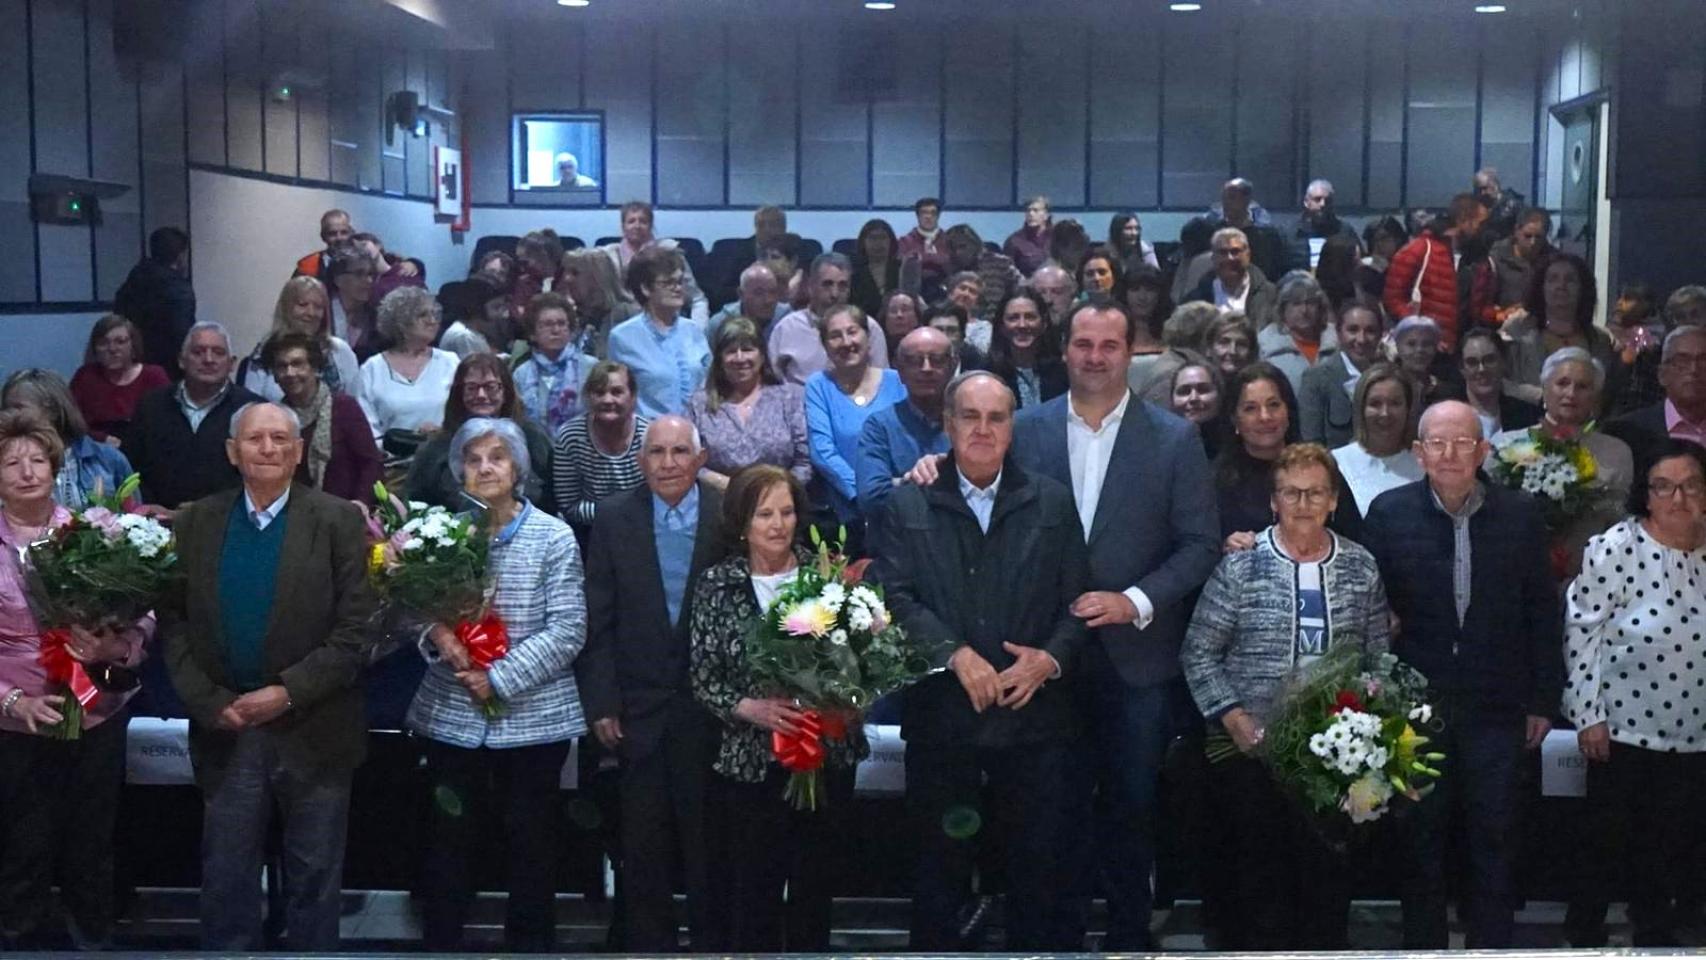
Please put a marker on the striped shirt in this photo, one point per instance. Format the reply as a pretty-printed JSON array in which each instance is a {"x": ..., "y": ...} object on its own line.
[
  {"x": 540, "y": 595},
  {"x": 583, "y": 474}
]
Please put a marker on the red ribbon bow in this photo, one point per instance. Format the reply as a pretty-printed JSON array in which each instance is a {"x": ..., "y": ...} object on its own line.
[
  {"x": 64, "y": 669},
  {"x": 487, "y": 640},
  {"x": 805, "y": 752}
]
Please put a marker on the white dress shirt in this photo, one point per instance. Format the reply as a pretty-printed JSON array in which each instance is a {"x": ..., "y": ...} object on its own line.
[
  {"x": 1089, "y": 452},
  {"x": 981, "y": 500},
  {"x": 1228, "y": 300}
]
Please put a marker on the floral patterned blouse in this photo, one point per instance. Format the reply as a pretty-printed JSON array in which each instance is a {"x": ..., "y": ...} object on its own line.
[
  {"x": 725, "y": 609},
  {"x": 774, "y": 432}
]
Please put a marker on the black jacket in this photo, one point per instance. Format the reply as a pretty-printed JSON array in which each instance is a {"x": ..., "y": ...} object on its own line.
[
  {"x": 161, "y": 302},
  {"x": 176, "y": 464},
  {"x": 1297, "y": 244},
  {"x": 1508, "y": 655},
  {"x": 865, "y": 294},
  {"x": 1644, "y": 431},
  {"x": 634, "y": 666},
  {"x": 949, "y": 584}
]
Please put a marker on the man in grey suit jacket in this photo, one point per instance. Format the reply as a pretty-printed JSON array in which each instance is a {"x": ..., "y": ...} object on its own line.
[
  {"x": 1324, "y": 402},
  {"x": 1147, "y": 503}
]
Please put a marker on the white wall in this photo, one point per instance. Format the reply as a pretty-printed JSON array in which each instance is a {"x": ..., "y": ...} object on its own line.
[
  {"x": 246, "y": 236},
  {"x": 54, "y": 341}
]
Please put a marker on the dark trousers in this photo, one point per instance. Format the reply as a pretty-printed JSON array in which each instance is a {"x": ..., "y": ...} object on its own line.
[
  {"x": 1482, "y": 775},
  {"x": 59, "y": 802},
  {"x": 1288, "y": 888},
  {"x": 1111, "y": 832},
  {"x": 663, "y": 824},
  {"x": 1644, "y": 809},
  {"x": 520, "y": 784},
  {"x": 237, "y": 807},
  {"x": 765, "y": 846},
  {"x": 946, "y": 802}
]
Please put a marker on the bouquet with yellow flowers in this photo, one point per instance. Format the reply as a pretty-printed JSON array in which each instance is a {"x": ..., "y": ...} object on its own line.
[
  {"x": 1556, "y": 469},
  {"x": 1346, "y": 739}
]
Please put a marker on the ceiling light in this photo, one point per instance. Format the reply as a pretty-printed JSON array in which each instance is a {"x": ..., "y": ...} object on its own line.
[
  {"x": 1184, "y": 7},
  {"x": 1489, "y": 8},
  {"x": 879, "y": 4},
  {"x": 574, "y": 3}
]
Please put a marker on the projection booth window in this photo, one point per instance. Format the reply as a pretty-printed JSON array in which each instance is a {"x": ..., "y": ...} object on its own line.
[{"x": 560, "y": 152}]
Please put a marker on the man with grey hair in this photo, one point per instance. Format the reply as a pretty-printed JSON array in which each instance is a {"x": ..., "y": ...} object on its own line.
[
  {"x": 796, "y": 342},
  {"x": 276, "y": 717},
  {"x": 981, "y": 569},
  {"x": 759, "y": 300},
  {"x": 178, "y": 433},
  {"x": 569, "y": 172},
  {"x": 731, "y": 256},
  {"x": 1466, "y": 572},
  {"x": 1315, "y": 226},
  {"x": 1236, "y": 283},
  {"x": 646, "y": 549},
  {"x": 1681, "y": 415},
  {"x": 1058, "y": 287},
  {"x": 1238, "y": 208}
]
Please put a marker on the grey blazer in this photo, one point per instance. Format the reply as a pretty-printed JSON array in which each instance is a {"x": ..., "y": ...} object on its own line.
[
  {"x": 1157, "y": 525},
  {"x": 1323, "y": 405}
]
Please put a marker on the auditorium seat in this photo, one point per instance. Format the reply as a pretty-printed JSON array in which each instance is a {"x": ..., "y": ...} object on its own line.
[
  {"x": 490, "y": 242},
  {"x": 607, "y": 241},
  {"x": 809, "y": 250},
  {"x": 572, "y": 243},
  {"x": 844, "y": 246}
]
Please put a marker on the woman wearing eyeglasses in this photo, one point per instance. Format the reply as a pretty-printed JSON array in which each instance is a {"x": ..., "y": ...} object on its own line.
[
  {"x": 1634, "y": 693},
  {"x": 1265, "y": 614}
]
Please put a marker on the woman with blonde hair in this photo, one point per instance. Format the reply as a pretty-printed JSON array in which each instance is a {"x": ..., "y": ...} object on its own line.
[
  {"x": 301, "y": 308},
  {"x": 598, "y": 295}
]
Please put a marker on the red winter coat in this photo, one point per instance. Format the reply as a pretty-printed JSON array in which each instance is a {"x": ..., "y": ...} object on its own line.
[{"x": 1438, "y": 287}]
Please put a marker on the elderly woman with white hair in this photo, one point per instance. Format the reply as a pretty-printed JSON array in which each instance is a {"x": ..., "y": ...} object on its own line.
[
  {"x": 1416, "y": 343},
  {"x": 502, "y": 764},
  {"x": 1570, "y": 382},
  {"x": 404, "y": 387}
]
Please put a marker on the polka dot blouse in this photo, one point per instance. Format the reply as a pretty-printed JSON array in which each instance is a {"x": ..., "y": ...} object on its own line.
[{"x": 1636, "y": 641}]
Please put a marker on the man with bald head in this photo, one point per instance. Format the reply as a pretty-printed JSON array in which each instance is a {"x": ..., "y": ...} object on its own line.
[
  {"x": 1465, "y": 563},
  {"x": 646, "y": 548},
  {"x": 275, "y": 704},
  {"x": 760, "y": 300},
  {"x": 981, "y": 569},
  {"x": 895, "y": 438}
]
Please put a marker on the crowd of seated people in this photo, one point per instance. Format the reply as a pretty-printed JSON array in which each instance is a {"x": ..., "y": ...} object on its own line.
[{"x": 1116, "y": 492}]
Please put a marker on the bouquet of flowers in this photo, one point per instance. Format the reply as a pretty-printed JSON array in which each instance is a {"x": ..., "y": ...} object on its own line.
[
  {"x": 431, "y": 564},
  {"x": 103, "y": 568},
  {"x": 1344, "y": 737},
  {"x": 829, "y": 643},
  {"x": 1556, "y": 470}
]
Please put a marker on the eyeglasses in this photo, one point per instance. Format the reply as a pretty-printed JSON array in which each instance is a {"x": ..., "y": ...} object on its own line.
[
  {"x": 554, "y": 325},
  {"x": 1292, "y": 496},
  {"x": 1665, "y": 489},
  {"x": 1684, "y": 361},
  {"x": 675, "y": 283},
  {"x": 485, "y": 387},
  {"x": 1482, "y": 363},
  {"x": 937, "y": 360},
  {"x": 1440, "y": 446}
]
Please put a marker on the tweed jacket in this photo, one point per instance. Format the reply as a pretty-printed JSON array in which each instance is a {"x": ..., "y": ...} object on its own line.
[
  {"x": 1241, "y": 646},
  {"x": 537, "y": 572}
]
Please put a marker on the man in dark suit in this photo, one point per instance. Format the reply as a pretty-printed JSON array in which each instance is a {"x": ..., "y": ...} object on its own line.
[
  {"x": 646, "y": 550},
  {"x": 1682, "y": 413},
  {"x": 266, "y": 652},
  {"x": 1146, "y": 501},
  {"x": 1324, "y": 402},
  {"x": 981, "y": 568}
]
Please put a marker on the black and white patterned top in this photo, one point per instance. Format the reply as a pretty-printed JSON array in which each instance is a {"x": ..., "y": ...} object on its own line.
[
  {"x": 1636, "y": 641},
  {"x": 582, "y": 474}
]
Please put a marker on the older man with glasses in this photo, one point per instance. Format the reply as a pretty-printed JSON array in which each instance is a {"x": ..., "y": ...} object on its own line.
[
  {"x": 895, "y": 439},
  {"x": 1466, "y": 573},
  {"x": 1681, "y": 415}
]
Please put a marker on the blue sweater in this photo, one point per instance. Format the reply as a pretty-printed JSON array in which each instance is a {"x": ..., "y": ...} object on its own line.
[{"x": 248, "y": 578}]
